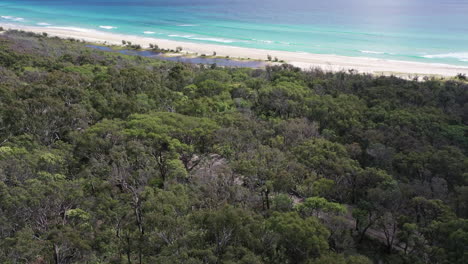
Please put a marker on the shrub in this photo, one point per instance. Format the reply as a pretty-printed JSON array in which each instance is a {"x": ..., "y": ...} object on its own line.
[{"x": 461, "y": 76}]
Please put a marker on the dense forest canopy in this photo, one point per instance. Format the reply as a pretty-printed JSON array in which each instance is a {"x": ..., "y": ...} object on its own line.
[{"x": 107, "y": 158}]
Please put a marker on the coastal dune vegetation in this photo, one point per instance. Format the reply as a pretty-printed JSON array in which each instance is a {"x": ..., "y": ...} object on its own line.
[
  {"x": 108, "y": 158},
  {"x": 303, "y": 60}
]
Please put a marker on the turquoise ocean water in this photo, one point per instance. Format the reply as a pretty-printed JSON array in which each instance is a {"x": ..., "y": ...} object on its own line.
[{"x": 434, "y": 31}]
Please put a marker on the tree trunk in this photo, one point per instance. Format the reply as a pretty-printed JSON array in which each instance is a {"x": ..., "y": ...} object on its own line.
[
  {"x": 56, "y": 254},
  {"x": 129, "y": 259},
  {"x": 267, "y": 197}
]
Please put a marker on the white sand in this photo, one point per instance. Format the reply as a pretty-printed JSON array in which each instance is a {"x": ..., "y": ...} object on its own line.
[{"x": 302, "y": 60}]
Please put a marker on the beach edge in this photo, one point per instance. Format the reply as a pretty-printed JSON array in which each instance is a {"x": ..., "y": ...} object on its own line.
[{"x": 305, "y": 61}]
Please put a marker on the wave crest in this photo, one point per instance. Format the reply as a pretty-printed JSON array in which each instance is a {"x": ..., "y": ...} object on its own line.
[
  {"x": 372, "y": 52},
  {"x": 191, "y": 37},
  {"x": 215, "y": 40},
  {"x": 461, "y": 56},
  {"x": 12, "y": 18},
  {"x": 263, "y": 41},
  {"x": 76, "y": 29},
  {"x": 107, "y": 27},
  {"x": 180, "y": 36}
]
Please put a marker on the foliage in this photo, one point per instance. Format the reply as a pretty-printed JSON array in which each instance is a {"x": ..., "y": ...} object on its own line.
[{"x": 108, "y": 158}]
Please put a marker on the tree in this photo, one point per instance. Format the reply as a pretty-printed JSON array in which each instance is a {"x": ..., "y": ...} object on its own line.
[
  {"x": 387, "y": 200},
  {"x": 282, "y": 203},
  {"x": 317, "y": 206},
  {"x": 284, "y": 99},
  {"x": 299, "y": 238},
  {"x": 329, "y": 160},
  {"x": 366, "y": 216},
  {"x": 170, "y": 134},
  {"x": 448, "y": 240},
  {"x": 343, "y": 113},
  {"x": 333, "y": 258},
  {"x": 261, "y": 168},
  {"x": 410, "y": 236},
  {"x": 230, "y": 228}
]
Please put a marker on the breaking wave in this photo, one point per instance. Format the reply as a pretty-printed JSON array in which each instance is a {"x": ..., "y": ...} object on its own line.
[
  {"x": 461, "y": 56},
  {"x": 107, "y": 27},
  {"x": 12, "y": 18}
]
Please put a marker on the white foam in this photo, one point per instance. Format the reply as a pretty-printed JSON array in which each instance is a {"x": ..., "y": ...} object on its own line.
[
  {"x": 191, "y": 37},
  {"x": 215, "y": 40},
  {"x": 264, "y": 41},
  {"x": 461, "y": 56},
  {"x": 149, "y": 32},
  {"x": 186, "y": 25},
  {"x": 12, "y": 18},
  {"x": 107, "y": 27},
  {"x": 76, "y": 29},
  {"x": 43, "y": 24},
  {"x": 180, "y": 36},
  {"x": 372, "y": 52}
]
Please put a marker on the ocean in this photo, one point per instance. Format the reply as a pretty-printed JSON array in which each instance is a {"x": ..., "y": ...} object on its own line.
[{"x": 432, "y": 31}]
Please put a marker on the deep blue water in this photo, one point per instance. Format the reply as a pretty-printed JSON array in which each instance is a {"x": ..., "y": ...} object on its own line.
[{"x": 433, "y": 31}]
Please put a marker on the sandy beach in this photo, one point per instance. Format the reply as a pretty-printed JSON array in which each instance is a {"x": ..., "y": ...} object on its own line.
[{"x": 302, "y": 60}]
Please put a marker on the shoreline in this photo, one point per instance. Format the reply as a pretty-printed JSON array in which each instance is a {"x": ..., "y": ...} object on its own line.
[{"x": 302, "y": 60}]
